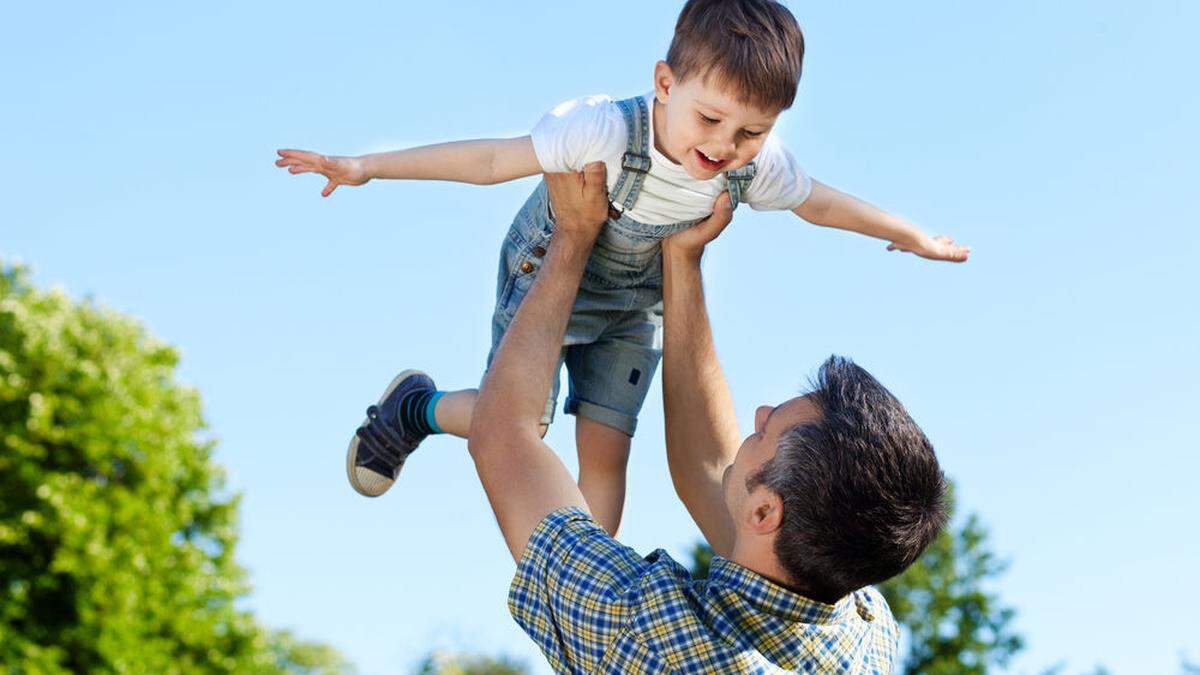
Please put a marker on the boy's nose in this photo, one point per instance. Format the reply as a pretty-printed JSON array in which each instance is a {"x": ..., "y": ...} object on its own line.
[{"x": 728, "y": 149}]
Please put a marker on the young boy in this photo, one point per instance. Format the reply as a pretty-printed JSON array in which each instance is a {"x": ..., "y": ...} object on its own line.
[{"x": 700, "y": 136}]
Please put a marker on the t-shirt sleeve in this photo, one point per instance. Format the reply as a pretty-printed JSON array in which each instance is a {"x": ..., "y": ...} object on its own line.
[
  {"x": 575, "y": 589},
  {"x": 780, "y": 183},
  {"x": 577, "y": 132}
]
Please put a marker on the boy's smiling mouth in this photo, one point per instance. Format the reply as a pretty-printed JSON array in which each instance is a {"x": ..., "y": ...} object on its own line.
[{"x": 710, "y": 163}]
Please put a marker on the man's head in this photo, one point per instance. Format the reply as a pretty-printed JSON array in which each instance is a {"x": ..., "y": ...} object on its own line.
[
  {"x": 841, "y": 481},
  {"x": 732, "y": 67}
]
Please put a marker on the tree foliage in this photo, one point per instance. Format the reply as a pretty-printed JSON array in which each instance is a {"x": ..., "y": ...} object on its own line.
[
  {"x": 952, "y": 622},
  {"x": 116, "y": 536},
  {"x": 444, "y": 663}
]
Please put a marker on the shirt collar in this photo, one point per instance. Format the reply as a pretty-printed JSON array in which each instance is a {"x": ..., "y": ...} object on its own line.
[{"x": 771, "y": 598}]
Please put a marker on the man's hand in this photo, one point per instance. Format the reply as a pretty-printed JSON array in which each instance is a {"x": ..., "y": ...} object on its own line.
[
  {"x": 339, "y": 170},
  {"x": 934, "y": 248},
  {"x": 580, "y": 201},
  {"x": 690, "y": 243}
]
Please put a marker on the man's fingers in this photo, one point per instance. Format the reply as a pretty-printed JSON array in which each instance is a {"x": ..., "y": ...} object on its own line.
[
  {"x": 722, "y": 211},
  {"x": 594, "y": 179}
]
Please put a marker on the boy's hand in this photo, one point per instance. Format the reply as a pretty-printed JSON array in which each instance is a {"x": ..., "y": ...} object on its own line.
[
  {"x": 934, "y": 248},
  {"x": 339, "y": 170},
  {"x": 580, "y": 200},
  {"x": 691, "y": 241}
]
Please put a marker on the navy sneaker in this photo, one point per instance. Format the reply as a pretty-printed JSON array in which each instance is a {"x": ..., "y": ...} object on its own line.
[{"x": 380, "y": 446}]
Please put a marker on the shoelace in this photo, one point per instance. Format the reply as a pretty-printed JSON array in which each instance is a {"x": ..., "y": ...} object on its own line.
[{"x": 381, "y": 439}]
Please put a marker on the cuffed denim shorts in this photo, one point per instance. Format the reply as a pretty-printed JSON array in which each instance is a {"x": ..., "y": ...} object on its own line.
[{"x": 613, "y": 341}]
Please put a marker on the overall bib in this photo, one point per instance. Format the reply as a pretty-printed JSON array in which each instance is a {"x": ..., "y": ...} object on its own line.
[{"x": 613, "y": 341}]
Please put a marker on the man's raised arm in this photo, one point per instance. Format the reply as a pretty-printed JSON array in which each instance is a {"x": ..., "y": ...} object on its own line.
[
  {"x": 702, "y": 433},
  {"x": 522, "y": 476}
]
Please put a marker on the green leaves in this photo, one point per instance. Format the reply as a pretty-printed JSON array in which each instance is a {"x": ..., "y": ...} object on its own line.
[
  {"x": 953, "y": 621},
  {"x": 116, "y": 539}
]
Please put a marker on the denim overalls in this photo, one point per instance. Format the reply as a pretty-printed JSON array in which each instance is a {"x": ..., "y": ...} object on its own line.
[{"x": 613, "y": 341}]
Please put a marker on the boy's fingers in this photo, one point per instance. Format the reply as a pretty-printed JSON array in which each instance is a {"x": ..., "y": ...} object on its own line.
[{"x": 328, "y": 189}]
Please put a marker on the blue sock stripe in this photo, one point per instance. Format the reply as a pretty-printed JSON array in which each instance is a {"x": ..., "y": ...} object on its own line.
[{"x": 430, "y": 418}]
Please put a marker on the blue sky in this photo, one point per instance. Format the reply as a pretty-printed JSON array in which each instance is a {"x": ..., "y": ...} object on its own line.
[{"x": 1056, "y": 373}]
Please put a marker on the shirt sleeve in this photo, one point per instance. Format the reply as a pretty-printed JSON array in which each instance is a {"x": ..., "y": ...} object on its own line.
[
  {"x": 780, "y": 183},
  {"x": 577, "y": 132},
  {"x": 574, "y": 590}
]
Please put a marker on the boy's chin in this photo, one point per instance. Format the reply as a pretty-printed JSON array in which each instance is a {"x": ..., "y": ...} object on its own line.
[{"x": 702, "y": 173}]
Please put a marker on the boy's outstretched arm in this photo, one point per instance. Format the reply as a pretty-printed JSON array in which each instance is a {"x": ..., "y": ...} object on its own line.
[
  {"x": 481, "y": 162},
  {"x": 522, "y": 476},
  {"x": 833, "y": 208}
]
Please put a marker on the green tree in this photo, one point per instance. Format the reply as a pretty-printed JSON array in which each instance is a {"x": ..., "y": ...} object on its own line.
[
  {"x": 443, "y": 663},
  {"x": 952, "y": 622},
  {"x": 116, "y": 535}
]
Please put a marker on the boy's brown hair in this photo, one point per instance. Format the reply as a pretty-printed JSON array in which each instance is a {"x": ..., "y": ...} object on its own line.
[{"x": 752, "y": 48}]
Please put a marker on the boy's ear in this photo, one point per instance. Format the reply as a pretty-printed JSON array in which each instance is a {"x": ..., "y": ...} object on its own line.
[{"x": 664, "y": 80}]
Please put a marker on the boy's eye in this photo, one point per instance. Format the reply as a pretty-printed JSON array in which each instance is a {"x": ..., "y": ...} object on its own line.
[
  {"x": 752, "y": 134},
  {"x": 707, "y": 120}
]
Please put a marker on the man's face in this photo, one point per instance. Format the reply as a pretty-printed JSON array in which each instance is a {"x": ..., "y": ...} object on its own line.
[
  {"x": 707, "y": 131},
  {"x": 760, "y": 447}
]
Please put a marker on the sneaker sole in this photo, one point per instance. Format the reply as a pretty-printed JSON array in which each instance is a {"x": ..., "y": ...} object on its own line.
[{"x": 379, "y": 484}]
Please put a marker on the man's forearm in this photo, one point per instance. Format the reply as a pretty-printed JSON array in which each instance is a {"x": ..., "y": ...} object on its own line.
[
  {"x": 521, "y": 373},
  {"x": 701, "y": 428},
  {"x": 522, "y": 476}
]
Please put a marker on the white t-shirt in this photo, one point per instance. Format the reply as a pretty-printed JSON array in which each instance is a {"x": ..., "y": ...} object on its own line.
[{"x": 592, "y": 128}]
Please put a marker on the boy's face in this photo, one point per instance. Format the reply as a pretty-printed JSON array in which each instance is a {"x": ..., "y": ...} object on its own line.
[{"x": 706, "y": 130}]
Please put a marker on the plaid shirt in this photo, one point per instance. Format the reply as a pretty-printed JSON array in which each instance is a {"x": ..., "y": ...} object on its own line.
[{"x": 593, "y": 605}]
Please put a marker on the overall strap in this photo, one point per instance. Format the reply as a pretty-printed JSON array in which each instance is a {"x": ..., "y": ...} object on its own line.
[
  {"x": 739, "y": 183},
  {"x": 635, "y": 164}
]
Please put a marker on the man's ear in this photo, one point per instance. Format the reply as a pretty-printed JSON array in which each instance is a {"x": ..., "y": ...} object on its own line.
[
  {"x": 766, "y": 514},
  {"x": 664, "y": 80}
]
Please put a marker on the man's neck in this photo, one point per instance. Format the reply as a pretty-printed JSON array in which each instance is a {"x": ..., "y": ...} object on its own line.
[{"x": 761, "y": 560}]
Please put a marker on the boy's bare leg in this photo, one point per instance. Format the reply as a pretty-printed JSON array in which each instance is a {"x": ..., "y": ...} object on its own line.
[
  {"x": 453, "y": 412},
  {"x": 603, "y": 457}
]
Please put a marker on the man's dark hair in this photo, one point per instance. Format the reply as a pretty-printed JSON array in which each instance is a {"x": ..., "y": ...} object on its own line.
[
  {"x": 752, "y": 48},
  {"x": 862, "y": 491}
]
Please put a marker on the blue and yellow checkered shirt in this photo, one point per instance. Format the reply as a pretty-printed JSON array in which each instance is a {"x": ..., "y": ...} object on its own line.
[{"x": 593, "y": 605}]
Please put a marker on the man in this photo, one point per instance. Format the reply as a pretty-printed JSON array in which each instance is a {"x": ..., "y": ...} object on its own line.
[{"x": 833, "y": 491}]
